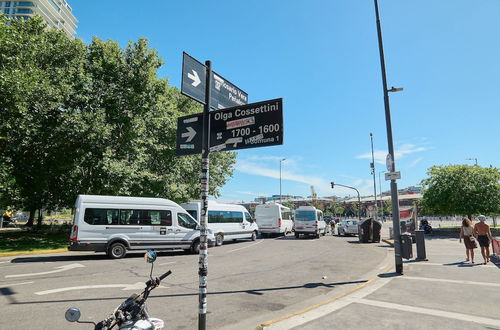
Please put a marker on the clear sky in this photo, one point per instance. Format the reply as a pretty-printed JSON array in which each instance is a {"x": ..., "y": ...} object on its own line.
[{"x": 321, "y": 57}]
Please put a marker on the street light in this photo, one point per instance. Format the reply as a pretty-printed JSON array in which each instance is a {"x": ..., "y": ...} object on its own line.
[
  {"x": 394, "y": 186},
  {"x": 281, "y": 160},
  {"x": 380, "y": 194},
  {"x": 359, "y": 198}
]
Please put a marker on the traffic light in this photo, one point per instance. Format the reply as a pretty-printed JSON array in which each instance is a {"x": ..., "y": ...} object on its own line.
[{"x": 333, "y": 184}]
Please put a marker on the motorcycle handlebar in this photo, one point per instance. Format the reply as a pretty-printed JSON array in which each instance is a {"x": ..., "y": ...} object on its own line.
[{"x": 165, "y": 275}]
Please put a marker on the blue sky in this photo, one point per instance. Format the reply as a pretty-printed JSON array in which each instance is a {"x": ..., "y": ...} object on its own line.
[{"x": 322, "y": 58}]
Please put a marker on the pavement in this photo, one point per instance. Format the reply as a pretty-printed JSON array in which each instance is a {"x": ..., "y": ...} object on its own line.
[{"x": 445, "y": 292}]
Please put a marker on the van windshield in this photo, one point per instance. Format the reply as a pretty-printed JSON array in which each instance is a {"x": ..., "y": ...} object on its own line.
[
  {"x": 193, "y": 213},
  {"x": 305, "y": 215}
]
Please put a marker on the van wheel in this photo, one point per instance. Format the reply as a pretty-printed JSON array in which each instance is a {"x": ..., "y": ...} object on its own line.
[
  {"x": 117, "y": 251},
  {"x": 324, "y": 232},
  {"x": 195, "y": 248},
  {"x": 219, "y": 239},
  {"x": 297, "y": 235},
  {"x": 254, "y": 236}
]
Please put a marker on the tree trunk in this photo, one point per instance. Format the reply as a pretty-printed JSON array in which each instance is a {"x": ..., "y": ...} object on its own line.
[
  {"x": 40, "y": 218},
  {"x": 494, "y": 221},
  {"x": 31, "y": 218}
]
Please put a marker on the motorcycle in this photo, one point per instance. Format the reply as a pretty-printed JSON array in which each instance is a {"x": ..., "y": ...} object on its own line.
[{"x": 132, "y": 314}]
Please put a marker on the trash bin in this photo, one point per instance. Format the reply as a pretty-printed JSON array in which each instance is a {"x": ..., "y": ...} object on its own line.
[
  {"x": 406, "y": 246},
  {"x": 364, "y": 231}
]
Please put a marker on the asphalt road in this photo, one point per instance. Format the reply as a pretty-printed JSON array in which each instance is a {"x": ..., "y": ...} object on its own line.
[{"x": 249, "y": 282}]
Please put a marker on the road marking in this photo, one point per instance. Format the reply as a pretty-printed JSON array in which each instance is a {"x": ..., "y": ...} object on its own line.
[
  {"x": 448, "y": 265},
  {"x": 57, "y": 270},
  {"x": 136, "y": 286},
  {"x": 434, "y": 312},
  {"x": 448, "y": 281},
  {"x": 4, "y": 262},
  {"x": 168, "y": 263},
  {"x": 245, "y": 247},
  {"x": 15, "y": 284}
]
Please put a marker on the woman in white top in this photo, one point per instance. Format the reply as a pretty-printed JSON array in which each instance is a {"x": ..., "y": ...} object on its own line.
[{"x": 467, "y": 233}]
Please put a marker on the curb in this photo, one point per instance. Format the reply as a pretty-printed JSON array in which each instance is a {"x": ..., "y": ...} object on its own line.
[
  {"x": 388, "y": 241},
  {"x": 20, "y": 253}
]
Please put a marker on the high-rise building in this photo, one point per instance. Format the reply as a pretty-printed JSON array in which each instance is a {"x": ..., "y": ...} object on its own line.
[{"x": 57, "y": 13}]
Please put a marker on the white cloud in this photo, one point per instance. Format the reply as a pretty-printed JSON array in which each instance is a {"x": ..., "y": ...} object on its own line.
[
  {"x": 403, "y": 150},
  {"x": 415, "y": 162}
]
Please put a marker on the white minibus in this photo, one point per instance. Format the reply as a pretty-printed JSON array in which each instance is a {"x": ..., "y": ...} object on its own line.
[
  {"x": 309, "y": 221},
  {"x": 116, "y": 224},
  {"x": 274, "y": 218},
  {"x": 227, "y": 221}
]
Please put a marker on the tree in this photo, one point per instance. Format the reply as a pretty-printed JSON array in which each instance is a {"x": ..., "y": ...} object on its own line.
[
  {"x": 90, "y": 119},
  {"x": 461, "y": 189}
]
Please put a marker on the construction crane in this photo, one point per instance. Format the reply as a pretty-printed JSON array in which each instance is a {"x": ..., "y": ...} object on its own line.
[{"x": 314, "y": 196}]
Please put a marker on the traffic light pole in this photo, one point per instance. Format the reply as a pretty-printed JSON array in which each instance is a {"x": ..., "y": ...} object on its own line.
[
  {"x": 394, "y": 186},
  {"x": 359, "y": 198},
  {"x": 205, "y": 159}
]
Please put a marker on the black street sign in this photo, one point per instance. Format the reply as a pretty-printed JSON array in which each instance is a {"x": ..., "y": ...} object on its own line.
[
  {"x": 189, "y": 134},
  {"x": 224, "y": 93},
  {"x": 193, "y": 78},
  {"x": 249, "y": 126}
]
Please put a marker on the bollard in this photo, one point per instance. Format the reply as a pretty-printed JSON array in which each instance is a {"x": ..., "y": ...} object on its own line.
[{"x": 420, "y": 240}]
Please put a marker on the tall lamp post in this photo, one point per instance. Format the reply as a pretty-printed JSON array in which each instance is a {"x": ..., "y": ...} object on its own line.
[
  {"x": 394, "y": 186},
  {"x": 281, "y": 160},
  {"x": 380, "y": 194}
]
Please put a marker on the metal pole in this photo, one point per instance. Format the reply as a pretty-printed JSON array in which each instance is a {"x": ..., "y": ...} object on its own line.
[
  {"x": 205, "y": 158},
  {"x": 374, "y": 189},
  {"x": 280, "y": 181},
  {"x": 380, "y": 194},
  {"x": 359, "y": 198},
  {"x": 394, "y": 185}
]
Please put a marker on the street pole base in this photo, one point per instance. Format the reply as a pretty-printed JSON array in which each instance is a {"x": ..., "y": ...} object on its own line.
[
  {"x": 399, "y": 269},
  {"x": 421, "y": 259}
]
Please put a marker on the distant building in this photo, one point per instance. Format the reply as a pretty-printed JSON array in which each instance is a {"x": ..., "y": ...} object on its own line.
[{"x": 57, "y": 13}]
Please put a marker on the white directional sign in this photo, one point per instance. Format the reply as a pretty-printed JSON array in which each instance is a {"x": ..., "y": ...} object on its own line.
[
  {"x": 224, "y": 94},
  {"x": 189, "y": 134},
  {"x": 392, "y": 176}
]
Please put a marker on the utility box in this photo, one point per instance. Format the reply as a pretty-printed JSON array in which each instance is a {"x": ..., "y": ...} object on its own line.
[
  {"x": 364, "y": 231},
  {"x": 406, "y": 246}
]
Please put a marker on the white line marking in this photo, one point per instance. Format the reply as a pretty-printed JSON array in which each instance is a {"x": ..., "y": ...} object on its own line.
[
  {"x": 448, "y": 265},
  {"x": 15, "y": 284},
  {"x": 434, "y": 312},
  {"x": 168, "y": 263},
  {"x": 57, "y": 270},
  {"x": 4, "y": 262},
  {"x": 241, "y": 248},
  {"x": 136, "y": 286},
  {"x": 448, "y": 281}
]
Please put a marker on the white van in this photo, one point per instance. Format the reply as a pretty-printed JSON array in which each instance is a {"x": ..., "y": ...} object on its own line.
[
  {"x": 309, "y": 220},
  {"x": 227, "y": 221},
  {"x": 115, "y": 224},
  {"x": 274, "y": 218}
]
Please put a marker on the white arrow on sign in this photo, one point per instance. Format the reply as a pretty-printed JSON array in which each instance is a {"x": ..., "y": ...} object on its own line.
[
  {"x": 195, "y": 78},
  {"x": 57, "y": 270},
  {"x": 189, "y": 134},
  {"x": 136, "y": 286}
]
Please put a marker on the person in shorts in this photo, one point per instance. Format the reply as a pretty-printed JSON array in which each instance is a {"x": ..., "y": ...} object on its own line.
[
  {"x": 467, "y": 233},
  {"x": 483, "y": 234}
]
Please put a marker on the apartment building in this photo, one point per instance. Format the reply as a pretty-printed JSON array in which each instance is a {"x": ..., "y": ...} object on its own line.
[{"x": 57, "y": 13}]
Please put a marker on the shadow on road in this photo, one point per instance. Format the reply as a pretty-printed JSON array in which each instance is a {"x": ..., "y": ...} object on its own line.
[{"x": 7, "y": 291}]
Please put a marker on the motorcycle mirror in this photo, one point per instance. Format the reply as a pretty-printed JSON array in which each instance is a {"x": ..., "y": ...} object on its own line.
[
  {"x": 72, "y": 314},
  {"x": 150, "y": 256}
]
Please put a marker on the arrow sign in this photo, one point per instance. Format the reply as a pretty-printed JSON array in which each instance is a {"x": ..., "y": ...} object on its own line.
[
  {"x": 190, "y": 134},
  {"x": 195, "y": 78},
  {"x": 135, "y": 287},
  {"x": 57, "y": 270}
]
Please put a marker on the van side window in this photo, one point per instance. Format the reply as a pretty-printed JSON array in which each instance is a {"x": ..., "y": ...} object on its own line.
[
  {"x": 248, "y": 217},
  {"x": 287, "y": 215},
  {"x": 94, "y": 216},
  {"x": 225, "y": 217},
  {"x": 186, "y": 221},
  {"x": 145, "y": 217}
]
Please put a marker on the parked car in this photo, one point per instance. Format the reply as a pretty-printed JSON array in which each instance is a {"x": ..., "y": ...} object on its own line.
[{"x": 347, "y": 227}]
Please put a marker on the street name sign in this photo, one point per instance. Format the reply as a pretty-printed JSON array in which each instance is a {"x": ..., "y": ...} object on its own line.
[
  {"x": 392, "y": 176},
  {"x": 189, "y": 134},
  {"x": 224, "y": 94},
  {"x": 252, "y": 125}
]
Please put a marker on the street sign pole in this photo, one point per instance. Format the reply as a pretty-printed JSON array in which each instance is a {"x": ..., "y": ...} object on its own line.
[
  {"x": 394, "y": 186},
  {"x": 204, "y": 179}
]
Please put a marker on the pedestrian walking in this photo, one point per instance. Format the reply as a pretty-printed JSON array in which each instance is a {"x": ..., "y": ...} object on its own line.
[
  {"x": 467, "y": 233},
  {"x": 483, "y": 232}
]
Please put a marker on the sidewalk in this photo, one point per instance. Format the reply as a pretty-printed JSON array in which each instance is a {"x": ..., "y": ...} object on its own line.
[{"x": 443, "y": 293}]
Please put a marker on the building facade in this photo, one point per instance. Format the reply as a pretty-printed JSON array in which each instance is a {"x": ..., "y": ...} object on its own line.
[{"x": 57, "y": 13}]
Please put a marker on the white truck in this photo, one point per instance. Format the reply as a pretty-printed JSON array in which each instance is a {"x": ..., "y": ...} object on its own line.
[{"x": 274, "y": 218}]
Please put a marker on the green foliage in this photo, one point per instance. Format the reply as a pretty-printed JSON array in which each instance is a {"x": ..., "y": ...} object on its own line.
[
  {"x": 461, "y": 190},
  {"x": 90, "y": 119}
]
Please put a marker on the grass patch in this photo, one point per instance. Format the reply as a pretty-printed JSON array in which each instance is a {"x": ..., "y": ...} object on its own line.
[{"x": 17, "y": 241}]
